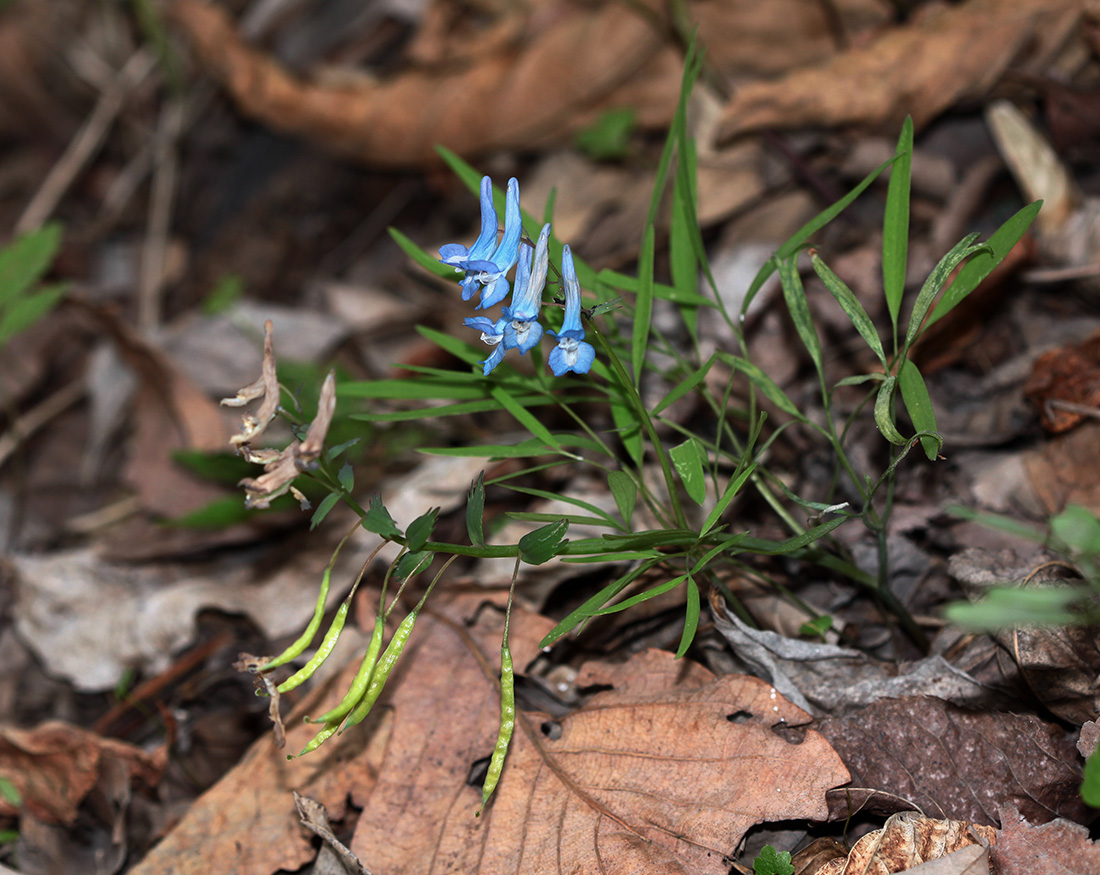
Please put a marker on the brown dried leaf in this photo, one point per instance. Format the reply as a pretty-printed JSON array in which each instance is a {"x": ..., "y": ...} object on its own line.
[
  {"x": 1065, "y": 384},
  {"x": 500, "y": 100},
  {"x": 1066, "y": 469},
  {"x": 665, "y": 772},
  {"x": 1055, "y": 848},
  {"x": 55, "y": 765},
  {"x": 908, "y": 840},
  {"x": 949, "y": 54},
  {"x": 958, "y": 764}
]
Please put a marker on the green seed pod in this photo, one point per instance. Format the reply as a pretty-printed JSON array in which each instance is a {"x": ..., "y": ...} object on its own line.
[{"x": 507, "y": 726}]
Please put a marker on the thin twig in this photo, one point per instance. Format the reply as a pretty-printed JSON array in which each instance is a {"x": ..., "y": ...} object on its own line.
[
  {"x": 86, "y": 142},
  {"x": 36, "y": 417},
  {"x": 153, "y": 255}
]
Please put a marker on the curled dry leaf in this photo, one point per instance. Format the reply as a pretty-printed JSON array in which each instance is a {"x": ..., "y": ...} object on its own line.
[
  {"x": 266, "y": 386},
  {"x": 1065, "y": 385},
  {"x": 55, "y": 765},
  {"x": 909, "y": 839},
  {"x": 950, "y": 53}
]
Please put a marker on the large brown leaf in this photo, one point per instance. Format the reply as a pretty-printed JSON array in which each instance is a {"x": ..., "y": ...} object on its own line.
[
  {"x": 948, "y": 54},
  {"x": 663, "y": 773},
  {"x": 957, "y": 764}
]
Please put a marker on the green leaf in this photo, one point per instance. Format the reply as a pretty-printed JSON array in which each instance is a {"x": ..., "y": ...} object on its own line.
[
  {"x": 21, "y": 314},
  {"x": 407, "y": 389},
  {"x": 660, "y": 589},
  {"x": 817, "y": 627},
  {"x": 346, "y": 476},
  {"x": 525, "y": 418},
  {"x": 851, "y": 306},
  {"x": 769, "y": 862},
  {"x": 794, "y": 243},
  {"x": 597, "y": 601},
  {"x": 411, "y": 564},
  {"x": 603, "y": 516},
  {"x": 475, "y": 511},
  {"x": 378, "y": 519},
  {"x": 686, "y": 385},
  {"x": 682, "y": 261},
  {"x": 691, "y": 618},
  {"x": 763, "y": 382},
  {"x": 10, "y": 792},
  {"x": 643, "y": 305},
  {"x": 607, "y": 138},
  {"x": 1078, "y": 528},
  {"x": 895, "y": 224},
  {"x": 919, "y": 404},
  {"x": 799, "y": 308},
  {"x": 625, "y": 493},
  {"x": 420, "y": 530},
  {"x": 1005, "y": 607},
  {"x": 935, "y": 283},
  {"x": 543, "y": 544},
  {"x": 732, "y": 489},
  {"x": 218, "y": 515},
  {"x": 327, "y": 504},
  {"x": 884, "y": 411},
  {"x": 24, "y": 261},
  {"x": 981, "y": 265},
  {"x": 766, "y": 547},
  {"x": 628, "y": 427},
  {"x": 226, "y": 292},
  {"x": 335, "y": 452},
  {"x": 689, "y": 459},
  {"x": 429, "y": 263},
  {"x": 1090, "y": 786}
]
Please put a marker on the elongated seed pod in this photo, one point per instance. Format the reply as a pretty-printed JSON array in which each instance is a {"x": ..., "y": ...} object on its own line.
[
  {"x": 295, "y": 649},
  {"x": 320, "y": 738},
  {"x": 361, "y": 680},
  {"x": 327, "y": 643},
  {"x": 382, "y": 671},
  {"x": 507, "y": 725}
]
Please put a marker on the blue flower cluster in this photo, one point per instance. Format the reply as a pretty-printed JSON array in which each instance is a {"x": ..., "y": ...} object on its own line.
[{"x": 485, "y": 266}]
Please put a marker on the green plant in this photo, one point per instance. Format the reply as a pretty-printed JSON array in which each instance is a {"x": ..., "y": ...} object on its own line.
[
  {"x": 677, "y": 520},
  {"x": 23, "y": 264},
  {"x": 771, "y": 862}
]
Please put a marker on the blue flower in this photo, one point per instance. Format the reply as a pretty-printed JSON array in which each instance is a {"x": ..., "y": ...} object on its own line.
[
  {"x": 492, "y": 333},
  {"x": 496, "y": 286},
  {"x": 486, "y": 262},
  {"x": 522, "y": 330},
  {"x": 571, "y": 353}
]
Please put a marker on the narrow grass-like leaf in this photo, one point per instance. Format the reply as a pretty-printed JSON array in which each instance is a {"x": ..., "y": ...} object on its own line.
[
  {"x": 851, "y": 306},
  {"x": 919, "y": 404},
  {"x": 475, "y": 511},
  {"x": 459, "y": 408},
  {"x": 613, "y": 556},
  {"x": 767, "y": 547},
  {"x": 660, "y": 589},
  {"x": 691, "y": 617},
  {"x": 884, "y": 411},
  {"x": 523, "y": 450},
  {"x": 682, "y": 260},
  {"x": 415, "y": 390},
  {"x": 327, "y": 504},
  {"x": 622, "y": 282},
  {"x": 584, "y": 611},
  {"x": 981, "y": 265},
  {"x": 688, "y": 459},
  {"x": 799, "y": 308},
  {"x": 764, "y": 383},
  {"x": 567, "y": 499},
  {"x": 460, "y": 349},
  {"x": 25, "y": 261},
  {"x": 692, "y": 67},
  {"x": 625, "y": 492},
  {"x": 525, "y": 418},
  {"x": 423, "y": 259},
  {"x": 573, "y": 519},
  {"x": 686, "y": 385},
  {"x": 1005, "y": 607},
  {"x": 732, "y": 489},
  {"x": 795, "y": 241},
  {"x": 643, "y": 305},
  {"x": 937, "y": 279},
  {"x": 628, "y": 428},
  {"x": 895, "y": 224}
]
